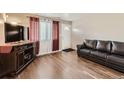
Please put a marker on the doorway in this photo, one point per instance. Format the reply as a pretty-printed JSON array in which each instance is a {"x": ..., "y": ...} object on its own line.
[{"x": 66, "y": 36}]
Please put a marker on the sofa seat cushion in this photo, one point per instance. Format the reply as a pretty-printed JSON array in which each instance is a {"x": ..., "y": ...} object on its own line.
[
  {"x": 90, "y": 44},
  {"x": 115, "y": 59},
  {"x": 85, "y": 51},
  {"x": 118, "y": 48},
  {"x": 104, "y": 46},
  {"x": 99, "y": 54}
]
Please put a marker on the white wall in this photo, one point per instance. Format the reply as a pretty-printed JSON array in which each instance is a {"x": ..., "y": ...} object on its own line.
[
  {"x": 20, "y": 18},
  {"x": 2, "y": 39},
  {"x": 98, "y": 26}
]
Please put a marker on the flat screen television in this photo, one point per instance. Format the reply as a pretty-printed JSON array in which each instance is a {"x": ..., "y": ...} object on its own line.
[{"x": 13, "y": 33}]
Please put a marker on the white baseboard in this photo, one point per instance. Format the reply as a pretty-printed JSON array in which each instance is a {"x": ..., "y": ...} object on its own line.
[{"x": 49, "y": 53}]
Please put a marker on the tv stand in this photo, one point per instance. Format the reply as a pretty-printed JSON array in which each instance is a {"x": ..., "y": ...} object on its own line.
[{"x": 19, "y": 57}]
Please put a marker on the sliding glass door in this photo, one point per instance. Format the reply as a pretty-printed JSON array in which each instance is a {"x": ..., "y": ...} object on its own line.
[{"x": 45, "y": 37}]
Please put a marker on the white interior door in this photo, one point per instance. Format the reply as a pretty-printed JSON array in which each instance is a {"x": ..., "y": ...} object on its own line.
[
  {"x": 45, "y": 37},
  {"x": 66, "y": 36}
]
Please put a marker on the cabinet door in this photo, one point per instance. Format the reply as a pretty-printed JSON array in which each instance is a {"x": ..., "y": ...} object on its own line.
[
  {"x": 20, "y": 59},
  {"x": 6, "y": 64},
  {"x": 1, "y": 66}
]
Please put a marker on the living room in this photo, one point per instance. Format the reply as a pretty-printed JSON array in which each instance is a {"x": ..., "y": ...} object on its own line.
[
  {"x": 51, "y": 46},
  {"x": 55, "y": 39}
]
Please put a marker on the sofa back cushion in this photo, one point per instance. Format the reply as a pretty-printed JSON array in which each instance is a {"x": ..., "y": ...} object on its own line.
[
  {"x": 117, "y": 48},
  {"x": 104, "y": 46},
  {"x": 90, "y": 44}
]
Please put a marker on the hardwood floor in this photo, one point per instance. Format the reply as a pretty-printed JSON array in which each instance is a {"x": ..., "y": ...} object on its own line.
[{"x": 67, "y": 65}]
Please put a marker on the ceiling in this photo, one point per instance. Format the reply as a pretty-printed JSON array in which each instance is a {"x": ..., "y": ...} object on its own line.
[{"x": 64, "y": 16}]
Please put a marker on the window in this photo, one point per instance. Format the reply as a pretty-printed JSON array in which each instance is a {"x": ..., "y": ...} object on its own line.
[{"x": 45, "y": 30}]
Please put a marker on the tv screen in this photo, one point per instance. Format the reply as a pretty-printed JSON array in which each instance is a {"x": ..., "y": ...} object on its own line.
[{"x": 13, "y": 33}]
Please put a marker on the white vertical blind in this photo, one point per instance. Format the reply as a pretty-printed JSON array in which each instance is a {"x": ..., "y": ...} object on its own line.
[
  {"x": 45, "y": 30},
  {"x": 45, "y": 37},
  {"x": 42, "y": 30}
]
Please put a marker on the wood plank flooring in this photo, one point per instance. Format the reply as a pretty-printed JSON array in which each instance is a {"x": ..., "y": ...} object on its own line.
[{"x": 67, "y": 65}]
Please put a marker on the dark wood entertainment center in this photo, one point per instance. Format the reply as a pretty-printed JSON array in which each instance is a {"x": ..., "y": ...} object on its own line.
[{"x": 21, "y": 54}]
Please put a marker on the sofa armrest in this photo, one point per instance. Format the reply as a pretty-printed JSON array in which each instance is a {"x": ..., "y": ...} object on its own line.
[{"x": 80, "y": 46}]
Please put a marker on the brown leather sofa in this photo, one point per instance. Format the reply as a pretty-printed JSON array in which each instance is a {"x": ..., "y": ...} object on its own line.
[{"x": 108, "y": 53}]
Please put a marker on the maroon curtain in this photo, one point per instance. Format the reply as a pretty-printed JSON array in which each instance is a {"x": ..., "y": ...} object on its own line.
[
  {"x": 34, "y": 32},
  {"x": 55, "y": 35}
]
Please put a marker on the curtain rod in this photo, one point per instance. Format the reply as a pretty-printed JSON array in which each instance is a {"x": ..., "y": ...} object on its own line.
[{"x": 50, "y": 18}]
